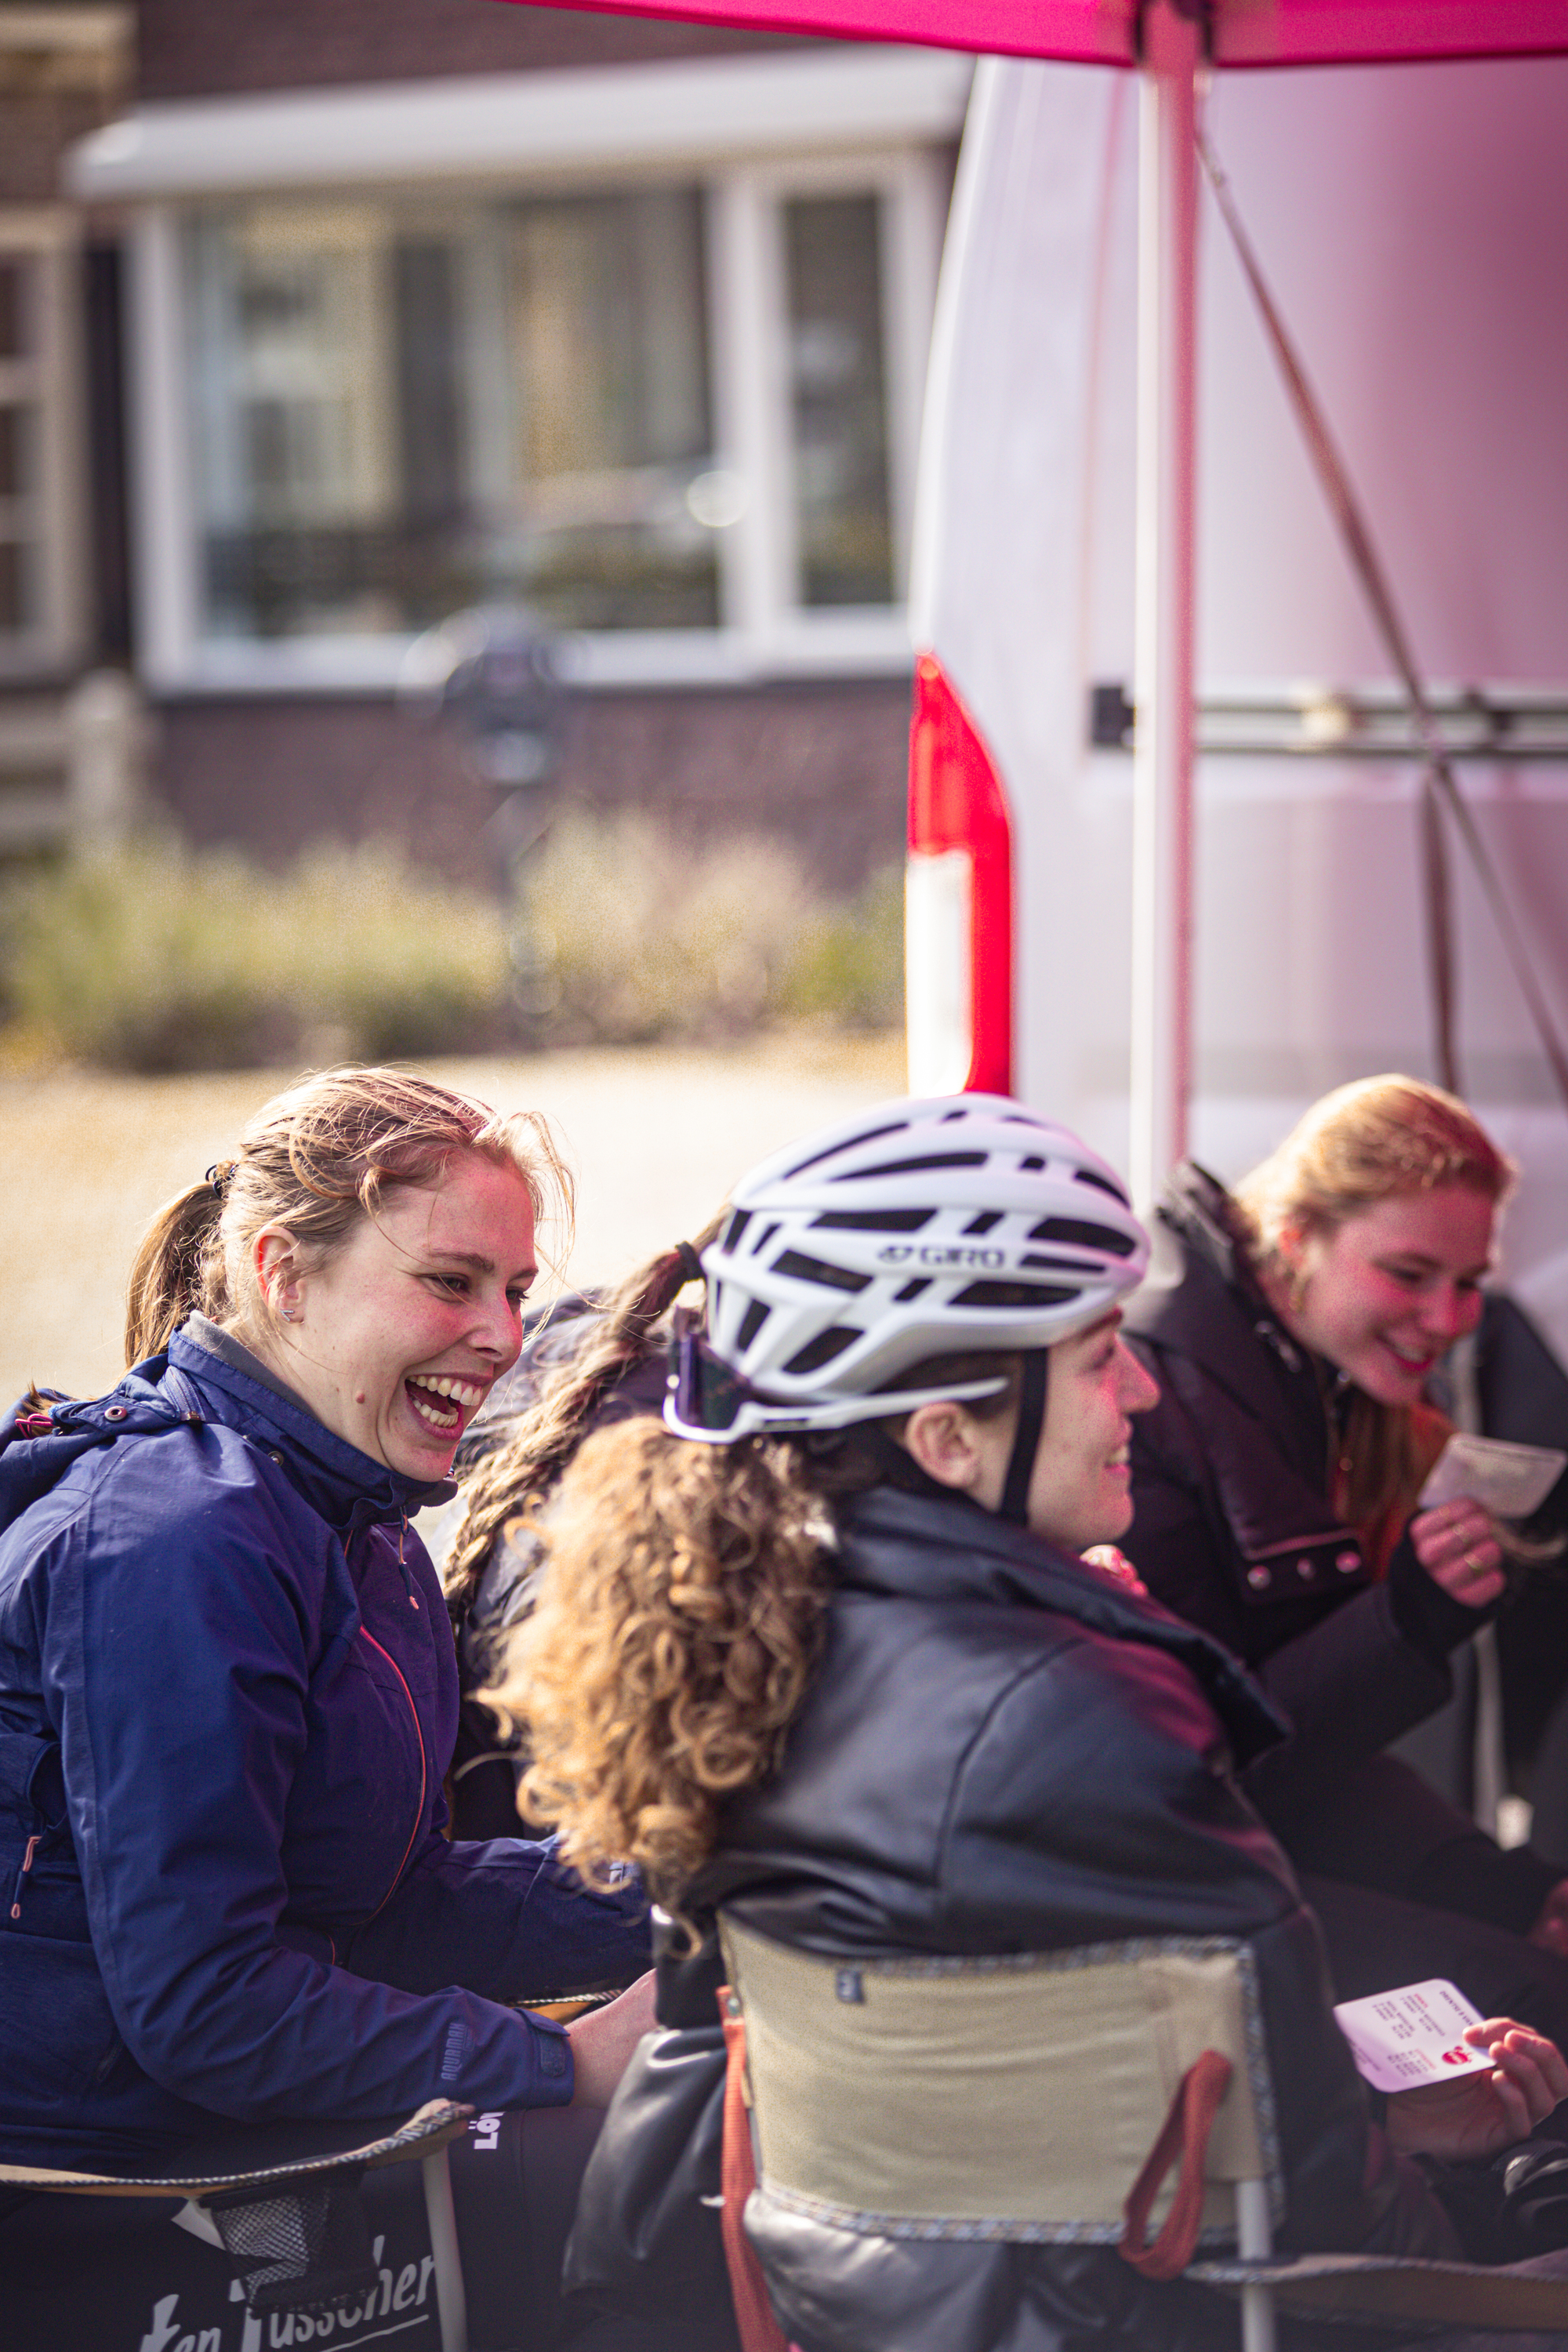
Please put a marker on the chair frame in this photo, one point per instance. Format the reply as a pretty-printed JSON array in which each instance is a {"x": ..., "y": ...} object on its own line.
[{"x": 424, "y": 2138}]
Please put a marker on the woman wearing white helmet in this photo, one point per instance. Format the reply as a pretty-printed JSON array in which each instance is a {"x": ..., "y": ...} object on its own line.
[{"x": 822, "y": 1655}]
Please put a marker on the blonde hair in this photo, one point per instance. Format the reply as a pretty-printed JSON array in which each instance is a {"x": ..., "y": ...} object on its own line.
[
  {"x": 512, "y": 1479},
  {"x": 678, "y": 1624},
  {"x": 1375, "y": 1140},
  {"x": 316, "y": 1159}
]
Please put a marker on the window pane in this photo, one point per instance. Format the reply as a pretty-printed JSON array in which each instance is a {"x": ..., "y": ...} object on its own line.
[
  {"x": 17, "y": 437},
  {"x": 16, "y": 337},
  {"x": 400, "y": 413},
  {"x": 609, "y": 338},
  {"x": 17, "y": 612},
  {"x": 838, "y": 400}
]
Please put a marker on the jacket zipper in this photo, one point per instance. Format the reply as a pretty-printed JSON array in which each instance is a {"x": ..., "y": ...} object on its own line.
[
  {"x": 423, "y": 1771},
  {"x": 33, "y": 1844}
]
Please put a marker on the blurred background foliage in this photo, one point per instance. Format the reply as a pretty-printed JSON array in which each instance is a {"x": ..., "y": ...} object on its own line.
[{"x": 152, "y": 957}]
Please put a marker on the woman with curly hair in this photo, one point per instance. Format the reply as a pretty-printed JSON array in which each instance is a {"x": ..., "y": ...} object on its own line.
[
  {"x": 821, "y": 1651},
  {"x": 1293, "y": 1328}
]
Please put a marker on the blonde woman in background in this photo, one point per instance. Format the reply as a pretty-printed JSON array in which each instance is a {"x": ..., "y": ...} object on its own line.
[{"x": 1294, "y": 1327}]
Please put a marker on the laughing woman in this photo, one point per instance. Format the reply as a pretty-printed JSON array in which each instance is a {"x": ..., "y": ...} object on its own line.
[{"x": 227, "y": 1692}]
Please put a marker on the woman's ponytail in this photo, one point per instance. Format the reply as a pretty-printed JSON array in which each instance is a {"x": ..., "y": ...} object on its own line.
[{"x": 176, "y": 1267}]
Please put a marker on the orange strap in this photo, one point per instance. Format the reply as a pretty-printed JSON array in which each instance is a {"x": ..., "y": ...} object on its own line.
[
  {"x": 754, "y": 2316},
  {"x": 1185, "y": 2133}
]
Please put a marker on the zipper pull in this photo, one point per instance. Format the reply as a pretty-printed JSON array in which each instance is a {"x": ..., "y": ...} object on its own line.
[
  {"x": 22, "y": 1874},
  {"x": 403, "y": 1564}
]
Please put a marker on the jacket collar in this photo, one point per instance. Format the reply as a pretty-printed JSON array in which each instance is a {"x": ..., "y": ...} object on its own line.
[
  {"x": 1202, "y": 1299},
  {"x": 908, "y": 1546},
  {"x": 347, "y": 1488}
]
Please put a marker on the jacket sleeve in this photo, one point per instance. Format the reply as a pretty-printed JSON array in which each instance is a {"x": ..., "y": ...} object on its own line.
[
  {"x": 507, "y": 1918},
  {"x": 1161, "y": 1842},
  {"x": 178, "y": 1667}
]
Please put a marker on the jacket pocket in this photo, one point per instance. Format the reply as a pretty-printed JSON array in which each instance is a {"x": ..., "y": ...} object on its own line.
[{"x": 58, "y": 2034}]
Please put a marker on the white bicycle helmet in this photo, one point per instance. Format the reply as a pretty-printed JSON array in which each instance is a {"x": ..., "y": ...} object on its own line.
[{"x": 922, "y": 1228}]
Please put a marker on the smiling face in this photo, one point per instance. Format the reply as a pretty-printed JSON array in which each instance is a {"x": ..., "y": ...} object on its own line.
[
  {"x": 1386, "y": 1293},
  {"x": 393, "y": 1341},
  {"x": 1081, "y": 1489}
]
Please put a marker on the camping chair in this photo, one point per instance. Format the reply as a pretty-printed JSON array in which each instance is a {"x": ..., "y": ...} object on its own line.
[
  {"x": 1098, "y": 2072},
  {"x": 282, "y": 2202}
]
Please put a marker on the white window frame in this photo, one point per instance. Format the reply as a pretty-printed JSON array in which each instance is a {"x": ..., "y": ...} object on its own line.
[
  {"x": 801, "y": 123},
  {"x": 49, "y": 380}
]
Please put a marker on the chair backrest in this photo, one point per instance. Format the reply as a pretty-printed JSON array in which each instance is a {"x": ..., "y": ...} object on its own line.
[{"x": 1016, "y": 2097}]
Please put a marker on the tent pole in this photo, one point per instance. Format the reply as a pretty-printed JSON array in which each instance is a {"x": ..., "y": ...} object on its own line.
[{"x": 1162, "y": 655}]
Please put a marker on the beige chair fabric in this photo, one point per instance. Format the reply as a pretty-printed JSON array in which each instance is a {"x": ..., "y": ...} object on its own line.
[{"x": 1014, "y": 2098}]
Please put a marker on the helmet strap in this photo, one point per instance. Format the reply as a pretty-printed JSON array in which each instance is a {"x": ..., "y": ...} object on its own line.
[{"x": 1014, "y": 1504}]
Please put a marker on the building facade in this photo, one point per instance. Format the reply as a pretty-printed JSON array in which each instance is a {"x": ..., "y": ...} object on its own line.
[{"x": 433, "y": 306}]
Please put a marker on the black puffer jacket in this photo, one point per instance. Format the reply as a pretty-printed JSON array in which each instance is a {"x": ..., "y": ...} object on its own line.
[
  {"x": 1234, "y": 1529},
  {"x": 1003, "y": 1752}
]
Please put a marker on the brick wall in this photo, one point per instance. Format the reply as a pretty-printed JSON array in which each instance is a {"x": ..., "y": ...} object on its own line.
[
  {"x": 821, "y": 765},
  {"x": 209, "y": 49}
]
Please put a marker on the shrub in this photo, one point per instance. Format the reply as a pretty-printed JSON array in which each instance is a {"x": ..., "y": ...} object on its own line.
[
  {"x": 154, "y": 958},
  {"x": 627, "y": 935}
]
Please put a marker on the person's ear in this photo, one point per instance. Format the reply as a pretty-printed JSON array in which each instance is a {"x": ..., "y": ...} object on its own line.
[
  {"x": 275, "y": 1259},
  {"x": 944, "y": 1441}
]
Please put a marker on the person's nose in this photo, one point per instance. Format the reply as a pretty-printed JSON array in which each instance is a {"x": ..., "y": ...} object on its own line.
[
  {"x": 1139, "y": 1391},
  {"x": 497, "y": 1328},
  {"x": 1451, "y": 1311}
]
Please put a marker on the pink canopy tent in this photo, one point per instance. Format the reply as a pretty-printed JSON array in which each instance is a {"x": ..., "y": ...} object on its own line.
[
  {"x": 1170, "y": 43},
  {"x": 1105, "y": 32}
]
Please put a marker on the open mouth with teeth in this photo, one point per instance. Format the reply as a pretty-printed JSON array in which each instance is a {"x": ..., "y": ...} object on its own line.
[{"x": 443, "y": 1403}]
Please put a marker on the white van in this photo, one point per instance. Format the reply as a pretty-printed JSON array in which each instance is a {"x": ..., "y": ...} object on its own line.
[{"x": 1414, "y": 223}]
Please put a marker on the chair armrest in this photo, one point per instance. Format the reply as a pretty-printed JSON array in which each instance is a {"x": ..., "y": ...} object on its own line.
[
  {"x": 264, "y": 2157},
  {"x": 1369, "y": 2287}
]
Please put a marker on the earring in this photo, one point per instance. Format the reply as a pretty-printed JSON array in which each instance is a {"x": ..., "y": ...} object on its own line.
[{"x": 289, "y": 1315}]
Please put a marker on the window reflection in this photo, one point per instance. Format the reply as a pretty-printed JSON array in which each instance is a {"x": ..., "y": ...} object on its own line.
[{"x": 844, "y": 530}]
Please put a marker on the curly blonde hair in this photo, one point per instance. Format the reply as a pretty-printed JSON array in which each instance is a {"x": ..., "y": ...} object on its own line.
[
  {"x": 677, "y": 1626},
  {"x": 1375, "y": 1140},
  {"x": 680, "y": 1621}
]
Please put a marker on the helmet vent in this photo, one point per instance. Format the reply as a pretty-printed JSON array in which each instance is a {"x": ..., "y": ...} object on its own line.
[
  {"x": 854, "y": 1143},
  {"x": 752, "y": 1322},
  {"x": 874, "y": 1221},
  {"x": 815, "y": 1269},
  {"x": 1016, "y": 1294},
  {"x": 911, "y": 1290},
  {"x": 736, "y": 1227},
  {"x": 1032, "y": 1166},
  {"x": 1102, "y": 1185},
  {"x": 1073, "y": 1231},
  {"x": 821, "y": 1350},
  {"x": 927, "y": 1162},
  {"x": 983, "y": 1221}
]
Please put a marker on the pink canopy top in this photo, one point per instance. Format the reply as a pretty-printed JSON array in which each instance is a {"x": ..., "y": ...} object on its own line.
[{"x": 1100, "y": 32}]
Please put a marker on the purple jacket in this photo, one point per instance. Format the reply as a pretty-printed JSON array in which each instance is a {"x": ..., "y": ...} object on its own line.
[{"x": 228, "y": 1697}]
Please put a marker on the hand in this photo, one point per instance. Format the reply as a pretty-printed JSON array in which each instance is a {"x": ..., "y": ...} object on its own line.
[
  {"x": 1476, "y": 2115},
  {"x": 603, "y": 2041},
  {"x": 1551, "y": 1930},
  {"x": 1455, "y": 1544},
  {"x": 1114, "y": 1563}
]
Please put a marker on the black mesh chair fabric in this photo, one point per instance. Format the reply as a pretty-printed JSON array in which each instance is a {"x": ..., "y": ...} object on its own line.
[{"x": 301, "y": 2248}]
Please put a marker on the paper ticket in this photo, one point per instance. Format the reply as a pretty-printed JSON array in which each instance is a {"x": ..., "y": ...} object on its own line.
[
  {"x": 1508, "y": 1480},
  {"x": 1412, "y": 2035}
]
